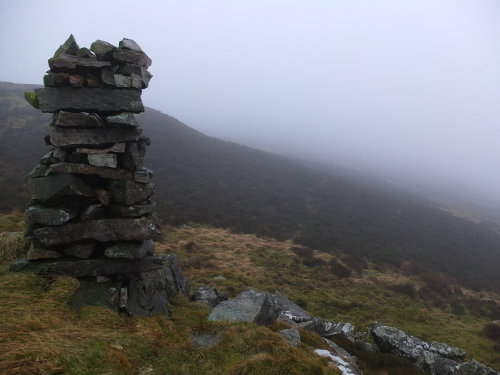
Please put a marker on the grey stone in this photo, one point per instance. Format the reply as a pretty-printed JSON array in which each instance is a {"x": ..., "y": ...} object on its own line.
[
  {"x": 325, "y": 328},
  {"x": 85, "y": 52},
  {"x": 147, "y": 294},
  {"x": 447, "y": 351},
  {"x": 130, "y": 250},
  {"x": 89, "y": 100},
  {"x": 123, "y": 299},
  {"x": 206, "y": 340},
  {"x": 181, "y": 283},
  {"x": 103, "y": 50},
  {"x": 142, "y": 176},
  {"x": 344, "y": 361},
  {"x": 46, "y": 159},
  {"x": 96, "y": 294},
  {"x": 87, "y": 267},
  {"x": 69, "y": 47},
  {"x": 130, "y": 193},
  {"x": 134, "y": 156},
  {"x": 32, "y": 99},
  {"x": 42, "y": 215},
  {"x": 38, "y": 171},
  {"x": 86, "y": 169},
  {"x": 60, "y": 154},
  {"x": 249, "y": 306},
  {"x": 129, "y": 44},
  {"x": 56, "y": 79},
  {"x": 208, "y": 295},
  {"x": 104, "y": 230},
  {"x": 291, "y": 336},
  {"x": 52, "y": 187},
  {"x": 136, "y": 72},
  {"x": 80, "y": 250},
  {"x": 289, "y": 309},
  {"x": 122, "y": 81},
  {"x": 76, "y": 80},
  {"x": 118, "y": 148},
  {"x": 93, "y": 211},
  {"x": 133, "y": 57},
  {"x": 122, "y": 119},
  {"x": 131, "y": 211},
  {"x": 67, "y": 137},
  {"x": 36, "y": 253},
  {"x": 77, "y": 120},
  {"x": 69, "y": 63},
  {"x": 103, "y": 160},
  {"x": 473, "y": 367},
  {"x": 110, "y": 78}
]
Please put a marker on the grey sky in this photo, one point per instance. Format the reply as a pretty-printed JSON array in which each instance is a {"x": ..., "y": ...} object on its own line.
[{"x": 396, "y": 85}]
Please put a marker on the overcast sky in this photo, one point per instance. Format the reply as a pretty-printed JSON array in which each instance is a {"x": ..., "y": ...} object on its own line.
[{"x": 394, "y": 85}]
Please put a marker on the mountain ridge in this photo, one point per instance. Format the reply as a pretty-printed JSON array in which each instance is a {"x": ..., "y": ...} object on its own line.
[{"x": 207, "y": 180}]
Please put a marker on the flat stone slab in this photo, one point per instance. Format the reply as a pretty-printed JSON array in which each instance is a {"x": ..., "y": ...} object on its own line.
[
  {"x": 88, "y": 267},
  {"x": 58, "y": 186},
  {"x": 49, "y": 215},
  {"x": 249, "y": 306},
  {"x": 131, "y": 211},
  {"x": 86, "y": 169},
  {"x": 118, "y": 148},
  {"x": 77, "y": 120},
  {"x": 130, "y": 250},
  {"x": 105, "y": 230},
  {"x": 68, "y": 137},
  {"x": 86, "y": 99}
]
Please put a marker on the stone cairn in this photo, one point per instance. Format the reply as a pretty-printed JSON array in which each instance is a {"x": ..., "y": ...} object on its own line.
[{"x": 90, "y": 210}]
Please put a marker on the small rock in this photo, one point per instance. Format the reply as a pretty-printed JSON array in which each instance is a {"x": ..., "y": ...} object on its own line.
[
  {"x": 103, "y": 160},
  {"x": 205, "y": 341},
  {"x": 129, "y": 44},
  {"x": 130, "y": 250},
  {"x": 103, "y": 50},
  {"x": 208, "y": 295},
  {"x": 291, "y": 336}
]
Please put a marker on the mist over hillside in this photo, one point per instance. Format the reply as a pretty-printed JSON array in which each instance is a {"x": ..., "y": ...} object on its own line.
[{"x": 206, "y": 180}]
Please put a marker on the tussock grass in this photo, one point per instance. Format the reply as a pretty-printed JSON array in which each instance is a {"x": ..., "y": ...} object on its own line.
[
  {"x": 12, "y": 246},
  {"x": 375, "y": 294}
]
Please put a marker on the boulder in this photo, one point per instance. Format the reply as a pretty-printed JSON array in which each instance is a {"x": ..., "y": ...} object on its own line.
[
  {"x": 147, "y": 294},
  {"x": 209, "y": 296},
  {"x": 68, "y": 137},
  {"x": 88, "y": 267},
  {"x": 41, "y": 215},
  {"x": 325, "y": 328},
  {"x": 105, "y": 230},
  {"x": 289, "y": 310},
  {"x": 473, "y": 367},
  {"x": 129, "y": 192},
  {"x": 130, "y": 250},
  {"x": 291, "y": 336},
  {"x": 91, "y": 293},
  {"x": 86, "y": 99},
  {"x": 249, "y": 306},
  {"x": 58, "y": 186}
]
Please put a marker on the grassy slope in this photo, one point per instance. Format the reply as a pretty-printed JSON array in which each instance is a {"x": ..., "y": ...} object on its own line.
[{"x": 39, "y": 333}]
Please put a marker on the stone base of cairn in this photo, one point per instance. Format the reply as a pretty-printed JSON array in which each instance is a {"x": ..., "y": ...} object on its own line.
[{"x": 90, "y": 210}]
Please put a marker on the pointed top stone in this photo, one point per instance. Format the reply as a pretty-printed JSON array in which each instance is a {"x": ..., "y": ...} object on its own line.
[
  {"x": 69, "y": 47},
  {"x": 130, "y": 44}
]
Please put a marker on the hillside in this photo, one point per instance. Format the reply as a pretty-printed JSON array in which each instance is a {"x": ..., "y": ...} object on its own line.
[{"x": 206, "y": 180}]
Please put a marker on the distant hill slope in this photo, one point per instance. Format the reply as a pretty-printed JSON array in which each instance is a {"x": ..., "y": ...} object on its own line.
[{"x": 207, "y": 180}]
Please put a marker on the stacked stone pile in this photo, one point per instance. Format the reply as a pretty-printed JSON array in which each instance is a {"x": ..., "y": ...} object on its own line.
[{"x": 90, "y": 210}]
